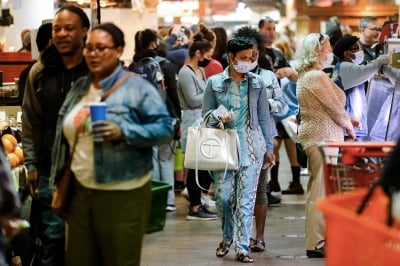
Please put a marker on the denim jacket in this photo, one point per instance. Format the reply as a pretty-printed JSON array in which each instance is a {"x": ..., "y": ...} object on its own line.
[
  {"x": 217, "y": 93},
  {"x": 143, "y": 119}
]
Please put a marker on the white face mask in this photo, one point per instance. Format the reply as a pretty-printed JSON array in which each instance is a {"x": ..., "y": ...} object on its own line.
[
  {"x": 254, "y": 64},
  {"x": 242, "y": 66},
  {"x": 328, "y": 61},
  {"x": 359, "y": 57}
]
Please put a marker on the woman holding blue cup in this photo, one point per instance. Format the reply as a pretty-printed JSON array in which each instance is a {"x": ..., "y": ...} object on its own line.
[{"x": 111, "y": 198}]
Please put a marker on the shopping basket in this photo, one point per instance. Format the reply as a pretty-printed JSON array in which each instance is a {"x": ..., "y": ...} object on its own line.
[
  {"x": 357, "y": 165},
  {"x": 359, "y": 239}
]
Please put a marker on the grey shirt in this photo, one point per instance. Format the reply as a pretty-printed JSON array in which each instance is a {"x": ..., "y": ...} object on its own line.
[{"x": 190, "y": 88}]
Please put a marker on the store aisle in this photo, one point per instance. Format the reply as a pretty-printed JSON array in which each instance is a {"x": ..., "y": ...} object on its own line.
[{"x": 185, "y": 242}]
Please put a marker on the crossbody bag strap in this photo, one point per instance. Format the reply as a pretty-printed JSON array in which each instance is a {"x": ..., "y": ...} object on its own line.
[{"x": 115, "y": 86}]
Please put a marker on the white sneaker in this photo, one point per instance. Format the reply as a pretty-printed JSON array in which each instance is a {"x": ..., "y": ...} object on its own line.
[
  {"x": 170, "y": 208},
  {"x": 209, "y": 204},
  {"x": 304, "y": 171},
  {"x": 185, "y": 193}
]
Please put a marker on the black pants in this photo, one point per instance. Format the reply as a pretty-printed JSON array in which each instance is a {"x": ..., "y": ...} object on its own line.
[{"x": 193, "y": 189}]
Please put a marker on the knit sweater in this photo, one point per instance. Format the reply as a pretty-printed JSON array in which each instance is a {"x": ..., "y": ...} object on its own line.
[{"x": 321, "y": 104}]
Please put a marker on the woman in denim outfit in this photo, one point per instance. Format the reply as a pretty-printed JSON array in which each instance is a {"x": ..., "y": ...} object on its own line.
[
  {"x": 111, "y": 197},
  {"x": 244, "y": 94}
]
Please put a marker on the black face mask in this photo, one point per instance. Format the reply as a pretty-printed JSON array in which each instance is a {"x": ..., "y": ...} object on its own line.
[{"x": 204, "y": 62}]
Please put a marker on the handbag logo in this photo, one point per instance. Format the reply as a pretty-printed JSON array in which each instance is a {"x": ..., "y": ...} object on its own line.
[{"x": 211, "y": 148}]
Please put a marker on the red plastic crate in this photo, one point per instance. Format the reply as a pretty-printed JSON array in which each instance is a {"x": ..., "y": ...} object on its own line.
[{"x": 359, "y": 164}]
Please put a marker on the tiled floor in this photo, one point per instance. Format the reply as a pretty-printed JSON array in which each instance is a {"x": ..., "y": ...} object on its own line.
[{"x": 185, "y": 242}]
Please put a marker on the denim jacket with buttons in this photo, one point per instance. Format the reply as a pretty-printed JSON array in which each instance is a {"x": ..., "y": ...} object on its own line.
[
  {"x": 217, "y": 93},
  {"x": 137, "y": 108}
]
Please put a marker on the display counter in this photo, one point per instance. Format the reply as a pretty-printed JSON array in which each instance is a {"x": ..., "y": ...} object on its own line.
[{"x": 12, "y": 63}]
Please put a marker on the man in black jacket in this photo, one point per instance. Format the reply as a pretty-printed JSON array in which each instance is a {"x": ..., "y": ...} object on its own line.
[{"x": 48, "y": 83}]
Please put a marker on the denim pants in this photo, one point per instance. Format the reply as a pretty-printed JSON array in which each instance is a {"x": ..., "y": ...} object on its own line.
[
  {"x": 51, "y": 228},
  {"x": 235, "y": 198},
  {"x": 163, "y": 167}
]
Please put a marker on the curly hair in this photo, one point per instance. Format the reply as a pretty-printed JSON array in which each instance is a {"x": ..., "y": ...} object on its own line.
[
  {"x": 252, "y": 33},
  {"x": 307, "y": 55}
]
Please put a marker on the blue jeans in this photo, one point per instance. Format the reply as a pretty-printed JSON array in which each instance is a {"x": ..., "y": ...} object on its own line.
[
  {"x": 163, "y": 167},
  {"x": 235, "y": 196},
  {"x": 51, "y": 228}
]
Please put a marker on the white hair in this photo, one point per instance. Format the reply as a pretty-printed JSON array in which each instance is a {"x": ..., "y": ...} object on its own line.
[{"x": 306, "y": 56}]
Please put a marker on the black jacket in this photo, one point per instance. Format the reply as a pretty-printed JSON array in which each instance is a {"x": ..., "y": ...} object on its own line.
[{"x": 47, "y": 85}]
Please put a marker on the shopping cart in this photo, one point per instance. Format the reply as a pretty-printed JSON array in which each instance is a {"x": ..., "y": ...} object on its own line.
[{"x": 356, "y": 165}]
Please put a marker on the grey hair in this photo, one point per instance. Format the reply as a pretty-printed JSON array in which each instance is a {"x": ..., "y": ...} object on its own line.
[
  {"x": 364, "y": 21},
  {"x": 307, "y": 55},
  {"x": 265, "y": 20}
]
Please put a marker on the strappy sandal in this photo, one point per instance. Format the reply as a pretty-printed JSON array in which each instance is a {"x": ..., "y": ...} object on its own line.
[
  {"x": 245, "y": 258},
  {"x": 257, "y": 245},
  {"x": 223, "y": 248}
]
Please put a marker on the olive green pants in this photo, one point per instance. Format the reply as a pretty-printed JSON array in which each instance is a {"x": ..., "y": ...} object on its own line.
[{"x": 106, "y": 227}]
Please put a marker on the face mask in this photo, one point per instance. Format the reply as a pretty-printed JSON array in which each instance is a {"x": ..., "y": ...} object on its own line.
[
  {"x": 359, "y": 57},
  {"x": 242, "y": 66},
  {"x": 254, "y": 64},
  {"x": 328, "y": 61},
  {"x": 204, "y": 62}
]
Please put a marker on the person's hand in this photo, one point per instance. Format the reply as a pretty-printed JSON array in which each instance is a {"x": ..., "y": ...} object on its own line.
[
  {"x": 350, "y": 133},
  {"x": 107, "y": 131},
  {"x": 269, "y": 160},
  {"x": 12, "y": 227},
  {"x": 33, "y": 179},
  {"x": 356, "y": 123},
  {"x": 286, "y": 72},
  {"x": 226, "y": 117},
  {"x": 384, "y": 59}
]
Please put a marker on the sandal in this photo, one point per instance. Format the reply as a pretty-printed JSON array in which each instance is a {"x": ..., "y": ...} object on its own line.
[
  {"x": 257, "y": 245},
  {"x": 245, "y": 258},
  {"x": 223, "y": 248}
]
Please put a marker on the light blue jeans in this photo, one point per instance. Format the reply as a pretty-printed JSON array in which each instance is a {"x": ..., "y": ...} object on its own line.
[
  {"x": 235, "y": 198},
  {"x": 163, "y": 167}
]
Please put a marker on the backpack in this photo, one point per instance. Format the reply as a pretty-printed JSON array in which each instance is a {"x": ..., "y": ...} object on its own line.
[{"x": 149, "y": 68}]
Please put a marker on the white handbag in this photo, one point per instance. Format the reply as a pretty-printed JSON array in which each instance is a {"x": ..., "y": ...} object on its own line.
[
  {"x": 212, "y": 149},
  {"x": 290, "y": 125}
]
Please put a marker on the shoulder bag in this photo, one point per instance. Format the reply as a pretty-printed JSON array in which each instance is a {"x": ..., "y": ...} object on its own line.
[{"x": 211, "y": 149}]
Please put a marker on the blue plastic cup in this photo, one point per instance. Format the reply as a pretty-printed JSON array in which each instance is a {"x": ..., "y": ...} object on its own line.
[{"x": 98, "y": 113}]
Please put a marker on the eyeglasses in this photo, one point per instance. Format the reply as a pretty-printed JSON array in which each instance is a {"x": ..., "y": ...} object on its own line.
[
  {"x": 97, "y": 50},
  {"x": 354, "y": 49},
  {"x": 375, "y": 29}
]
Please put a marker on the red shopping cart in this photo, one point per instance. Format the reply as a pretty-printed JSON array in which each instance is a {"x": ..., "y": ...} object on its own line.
[{"x": 356, "y": 165}]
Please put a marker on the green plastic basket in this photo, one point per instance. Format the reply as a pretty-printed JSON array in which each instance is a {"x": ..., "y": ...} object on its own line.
[{"x": 158, "y": 204}]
